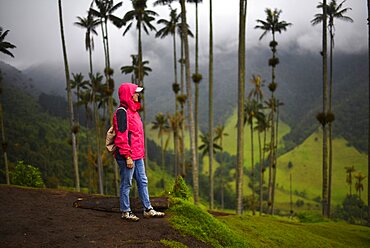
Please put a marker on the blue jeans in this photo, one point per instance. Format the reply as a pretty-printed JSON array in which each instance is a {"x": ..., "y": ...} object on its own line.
[{"x": 138, "y": 173}]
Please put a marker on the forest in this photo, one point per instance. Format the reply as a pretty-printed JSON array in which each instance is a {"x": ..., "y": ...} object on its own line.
[{"x": 290, "y": 138}]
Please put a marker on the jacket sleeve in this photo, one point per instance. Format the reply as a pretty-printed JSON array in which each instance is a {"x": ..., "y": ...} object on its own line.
[{"x": 122, "y": 135}]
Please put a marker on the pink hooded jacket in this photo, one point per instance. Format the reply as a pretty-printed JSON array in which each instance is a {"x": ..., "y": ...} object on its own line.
[{"x": 128, "y": 125}]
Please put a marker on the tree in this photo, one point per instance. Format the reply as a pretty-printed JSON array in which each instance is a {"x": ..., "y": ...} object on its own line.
[
  {"x": 175, "y": 123},
  {"x": 368, "y": 144},
  {"x": 143, "y": 18},
  {"x": 359, "y": 185},
  {"x": 220, "y": 133},
  {"x": 134, "y": 68},
  {"x": 197, "y": 78},
  {"x": 241, "y": 93},
  {"x": 105, "y": 13},
  {"x": 321, "y": 117},
  {"x": 169, "y": 28},
  {"x": 72, "y": 123},
  {"x": 161, "y": 123},
  {"x": 89, "y": 23},
  {"x": 349, "y": 171},
  {"x": 273, "y": 25},
  {"x": 251, "y": 112},
  {"x": 4, "y": 48},
  {"x": 334, "y": 11}
]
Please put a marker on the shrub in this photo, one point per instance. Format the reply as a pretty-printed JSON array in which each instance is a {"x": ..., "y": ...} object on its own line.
[
  {"x": 180, "y": 189},
  {"x": 26, "y": 175}
]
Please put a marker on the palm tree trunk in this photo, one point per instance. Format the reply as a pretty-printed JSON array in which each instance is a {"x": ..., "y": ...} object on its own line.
[
  {"x": 271, "y": 159},
  {"x": 69, "y": 99},
  {"x": 175, "y": 70},
  {"x": 252, "y": 167},
  {"x": 190, "y": 104},
  {"x": 330, "y": 123},
  {"x": 325, "y": 93},
  {"x": 196, "y": 102},
  {"x": 368, "y": 144},
  {"x": 291, "y": 194},
  {"x": 182, "y": 147},
  {"x": 4, "y": 143},
  {"x": 241, "y": 90},
  {"x": 261, "y": 171},
  {"x": 275, "y": 159},
  {"x": 210, "y": 118}
]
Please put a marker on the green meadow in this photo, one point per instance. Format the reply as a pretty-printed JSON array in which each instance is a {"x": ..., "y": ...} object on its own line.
[{"x": 306, "y": 159}]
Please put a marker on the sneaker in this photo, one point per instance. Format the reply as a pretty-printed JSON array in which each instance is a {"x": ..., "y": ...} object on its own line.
[
  {"x": 129, "y": 216},
  {"x": 151, "y": 213}
]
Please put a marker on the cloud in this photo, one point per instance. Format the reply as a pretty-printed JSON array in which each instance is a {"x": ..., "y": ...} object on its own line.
[{"x": 34, "y": 29}]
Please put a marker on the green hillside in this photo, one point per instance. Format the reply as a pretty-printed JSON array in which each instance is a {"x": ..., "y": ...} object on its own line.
[
  {"x": 307, "y": 163},
  {"x": 307, "y": 167}
]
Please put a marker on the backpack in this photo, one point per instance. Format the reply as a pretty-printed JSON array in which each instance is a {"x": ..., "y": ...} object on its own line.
[{"x": 110, "y": 137}]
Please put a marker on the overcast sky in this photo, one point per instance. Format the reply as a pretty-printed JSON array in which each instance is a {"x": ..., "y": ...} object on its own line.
[{"x": 34, "y": 29}]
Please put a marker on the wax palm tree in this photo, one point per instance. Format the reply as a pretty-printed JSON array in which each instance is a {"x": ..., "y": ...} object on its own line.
[
  {"x": 368, "y": 144},
  {"x": 89, "y": 23},
  {"x": 262, "y": 126},
  {"x": 241, "y": 93},
  {"x": 251, "y": 114},
  {"x": 274, "y": 25},
  {"x": 334, "y": 11},
  {"x": 322, "y": 116},
  {"x": 73, "y": 127},
  {"x": 4, "y": 48},
  {"x": 104, "y": 12},
  {"x": 78, "y": 83},
  {"x": 169, "y": 28},
  {"x": 175, "y": 123},
  {"x": 96, "y": 89},
  {"x": 204, "y": 147},
  {"x": 134, "y": 68},
  {"x": 349, "y": 172},
  {"x": 193, "y": 147},
  {"x": 359, "y": 186},
  {"x": 143, "y": 18},
  {"x": 197, "y": 78},
  {"x": 219, "y": 135},
  {"x": 161, "y": 124}
]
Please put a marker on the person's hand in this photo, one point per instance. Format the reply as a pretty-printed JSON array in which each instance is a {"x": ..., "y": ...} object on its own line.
[{"x": 129, "y": 162}]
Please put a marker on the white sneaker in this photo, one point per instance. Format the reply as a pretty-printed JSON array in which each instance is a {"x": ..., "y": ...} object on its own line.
[
  {"x": 151, "y": 213},
  {"x": 129, "y": 216}
]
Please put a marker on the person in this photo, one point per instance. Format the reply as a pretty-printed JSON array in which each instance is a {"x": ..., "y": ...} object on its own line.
[{"x": 130, "y": 151}]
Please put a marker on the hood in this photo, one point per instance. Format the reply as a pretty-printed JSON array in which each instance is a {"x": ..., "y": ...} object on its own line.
[{"x": 125, "y": 93}]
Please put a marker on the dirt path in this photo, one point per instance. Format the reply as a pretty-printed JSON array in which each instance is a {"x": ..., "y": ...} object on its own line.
[{"x": 46, "y": 218}]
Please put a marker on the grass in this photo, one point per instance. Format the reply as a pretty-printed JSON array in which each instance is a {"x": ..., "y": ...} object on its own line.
[
  {"x": 193, "y": 221},
  {"x": 310, "y": 230},
  {"x": 307, "y": 168},
  {"x": 271, "y": 231}
]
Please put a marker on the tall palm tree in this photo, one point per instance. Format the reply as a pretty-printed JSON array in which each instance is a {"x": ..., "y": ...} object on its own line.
[
  {"x": 272, "y": 24},
  {"x": 193, "y": 148},
  {"x": 262, "y": 126},
  {"x": 197, "y": 78},
  {"x": 72, "y": 123},
  {"x": 175, "y": 123},
  {"x": 89, "y": 23},
  {"x": 206, "y": 143},
  {"x": 241, "y": 93},
  {"x": 105, "y": 13},
  {"x": 143, "y": 18},
  {"x": 349, "y": 171},
  {"x": 321, "y": 117},
  {"x": 169, "y": 28},
  {"x": 4, "y": 48},
  {"x": 161, "y": 123},
  {"x": 96, "y": 88},
  {"x": 334, "y": 11},
  {"x": 220, "y": 133},
  {"x": 368, "y": 144},
  {"x": 359, "y": 185},
  {"x": 133, "y": 69}
]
